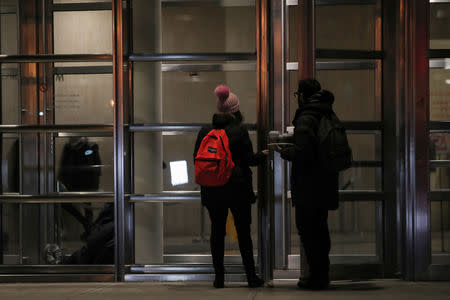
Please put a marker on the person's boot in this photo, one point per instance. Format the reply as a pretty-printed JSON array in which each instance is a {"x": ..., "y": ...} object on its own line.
[
  {"x": 254, "y": 281},
  {"x": 219, "y": 281},
  {"x": 313, "y": 284}
]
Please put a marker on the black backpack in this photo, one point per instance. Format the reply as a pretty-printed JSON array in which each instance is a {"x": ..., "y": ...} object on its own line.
[{"x": 334, "y": 152}]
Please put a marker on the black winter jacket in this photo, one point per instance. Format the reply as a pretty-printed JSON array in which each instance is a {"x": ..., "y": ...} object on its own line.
[
  {"x": 311, "y": 186},
  {"x": 239, "y": 188}
]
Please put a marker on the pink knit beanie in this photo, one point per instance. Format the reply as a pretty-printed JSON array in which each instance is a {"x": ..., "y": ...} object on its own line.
[{"x": 227, "y": 102}]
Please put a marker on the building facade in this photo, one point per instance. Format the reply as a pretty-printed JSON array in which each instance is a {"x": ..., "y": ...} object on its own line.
[{"x": 133, "y": 82}]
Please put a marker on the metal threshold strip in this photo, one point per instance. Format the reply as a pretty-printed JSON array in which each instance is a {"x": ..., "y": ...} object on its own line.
[
  {"x": 182, "y": 277},
  {"x": 182, "y": 269},
  {"x": 195, "y": 272}
]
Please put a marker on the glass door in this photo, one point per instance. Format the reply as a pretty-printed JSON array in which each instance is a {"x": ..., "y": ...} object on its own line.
[
  {"x": 341, "y": 47},
  {"x": 179, "y": 52},
  {"x": 57, "y": 212}
]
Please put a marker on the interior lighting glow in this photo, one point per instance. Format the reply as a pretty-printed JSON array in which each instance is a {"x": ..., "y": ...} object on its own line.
[
  {"x": 447, "y": 81},
  {"x": 178, "y": 172}
]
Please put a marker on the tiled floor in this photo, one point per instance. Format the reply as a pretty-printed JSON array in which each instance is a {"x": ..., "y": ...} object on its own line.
[{"x": 281, "y": 290}]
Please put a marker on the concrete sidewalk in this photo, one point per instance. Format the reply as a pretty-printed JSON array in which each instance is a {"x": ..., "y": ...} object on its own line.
[{"x": 281, "y": 290}]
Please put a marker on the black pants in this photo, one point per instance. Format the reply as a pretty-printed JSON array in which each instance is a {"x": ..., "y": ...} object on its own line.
[
  {"x": 312, "y": 225},
  {"x": 242, "y": 219}
]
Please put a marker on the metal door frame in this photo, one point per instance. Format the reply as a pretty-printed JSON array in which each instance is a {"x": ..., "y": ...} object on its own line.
[{"x": 197, "y": 267}]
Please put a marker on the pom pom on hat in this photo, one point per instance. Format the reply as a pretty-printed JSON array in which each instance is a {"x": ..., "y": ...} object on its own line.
[
  {"x": 222, "y": 92},
  {"x": 226, "y": 102}
]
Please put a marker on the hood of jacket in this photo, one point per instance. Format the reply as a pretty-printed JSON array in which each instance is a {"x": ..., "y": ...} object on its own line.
[
  {"x": 321, "y": 102},
  {"x": 221, "y": 121}
]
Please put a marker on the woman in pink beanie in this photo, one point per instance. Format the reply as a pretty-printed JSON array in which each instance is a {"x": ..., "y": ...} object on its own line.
[{"x": 236, "y": 195}]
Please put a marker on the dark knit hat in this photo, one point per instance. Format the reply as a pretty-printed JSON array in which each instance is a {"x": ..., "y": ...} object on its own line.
[{"x": 226, "y": 101}]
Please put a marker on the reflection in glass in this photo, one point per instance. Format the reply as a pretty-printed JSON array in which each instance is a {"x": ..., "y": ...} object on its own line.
[
  {"x": 440, "y": 92},
  {"x": 440, "y": 26},
  {"x": 352, "y": 229},
  {"x": 96, "y": 246},
  {"x": 48, "y": 234},
  {"x": 10, "y": 165},
  {"x": 84, "y": 164}
]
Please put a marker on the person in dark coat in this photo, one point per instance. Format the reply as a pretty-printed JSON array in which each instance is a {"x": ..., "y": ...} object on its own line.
[
  {"x": 237, "y": 195},
  {"x": 99, "y": 245},
  {"x": 314, "y": 191}
]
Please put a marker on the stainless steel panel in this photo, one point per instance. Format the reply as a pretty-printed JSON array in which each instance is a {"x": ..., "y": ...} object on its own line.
[
  {"x": 191, "y": 57},
  {"x": 212, "y": 3},
  {"x": 344, "y": 2},
  {"x": 183, "y": 268},
  {"x": 183, "y": 277},
  {"x": 201, "y": 259},
  {"x": 226, "y": 67},
  {"x": 169, "y": 197}
]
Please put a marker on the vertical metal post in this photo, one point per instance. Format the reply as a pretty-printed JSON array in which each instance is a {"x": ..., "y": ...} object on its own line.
[
  {"x": 119, "y": 193},
  {"x": 278, "y": 117},
  {"x": 265, "y": 231},
  {"x": 415, "y": 17},
  {"x": 1, "y": 157},
  {"x": 130, "y": 240},
  {"x": 306, "y": 69}
]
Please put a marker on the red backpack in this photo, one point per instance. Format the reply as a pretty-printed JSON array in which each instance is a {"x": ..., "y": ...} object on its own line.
[{"x": 213, "y": 163}]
